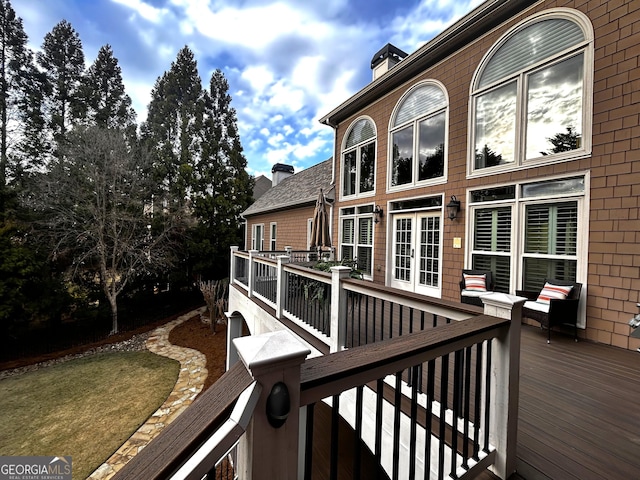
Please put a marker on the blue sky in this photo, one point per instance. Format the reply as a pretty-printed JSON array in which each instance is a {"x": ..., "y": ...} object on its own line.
[{"x": 288, "y": 62}]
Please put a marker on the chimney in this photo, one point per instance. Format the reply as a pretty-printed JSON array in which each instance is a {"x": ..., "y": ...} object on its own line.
[
  {"x": 385, "y": 59},
  {"x": 279, "y": 172}
]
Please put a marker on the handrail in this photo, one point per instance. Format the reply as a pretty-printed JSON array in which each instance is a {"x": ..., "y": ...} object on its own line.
[
  {"x": 180, "y": 439},
  {"x": 332, "y": 374},
  {"x": 224, "y": 438}
]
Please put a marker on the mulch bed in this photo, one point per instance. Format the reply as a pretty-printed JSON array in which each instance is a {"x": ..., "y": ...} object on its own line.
[{"x": 195, "y": 334}]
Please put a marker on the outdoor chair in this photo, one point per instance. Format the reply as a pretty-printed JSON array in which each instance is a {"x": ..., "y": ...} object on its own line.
[
  {"x": 475, "y": 283},
  {"x": 555, "y": 304}
]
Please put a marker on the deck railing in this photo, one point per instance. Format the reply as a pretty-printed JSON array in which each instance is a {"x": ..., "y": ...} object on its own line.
[{"x": 428, "y": 394}]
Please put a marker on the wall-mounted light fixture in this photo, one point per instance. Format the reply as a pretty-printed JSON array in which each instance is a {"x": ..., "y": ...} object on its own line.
[
  {"x": 453, "y": 207},
  {"x": 378, "y": 212}
]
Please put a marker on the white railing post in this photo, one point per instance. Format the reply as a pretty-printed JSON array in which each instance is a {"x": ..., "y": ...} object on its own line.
[
  {"x": 234, "y": 330},
  {"x": 232, "y": 267},
  {"x": 251, "y": 273},
  {"x": 281, "y": 285},
  {"x": 338, "y": 309},
  {"x": 505, "y": 381},
  {"x": 269, "y": 447}
]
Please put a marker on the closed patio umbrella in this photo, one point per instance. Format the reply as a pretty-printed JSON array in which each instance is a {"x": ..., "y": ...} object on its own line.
[{"x": 320, "y": 236}]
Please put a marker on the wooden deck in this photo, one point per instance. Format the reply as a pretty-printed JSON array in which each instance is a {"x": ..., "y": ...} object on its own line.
[{"x": 579, "y": 409}]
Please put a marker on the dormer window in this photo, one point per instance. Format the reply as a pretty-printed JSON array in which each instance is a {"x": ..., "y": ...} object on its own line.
[{"x": 359, "y": 159}]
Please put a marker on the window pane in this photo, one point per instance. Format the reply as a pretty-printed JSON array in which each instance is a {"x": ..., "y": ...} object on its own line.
[
  {"x": 499, "y": 266},
  {"x": 554, "y": 187},
  {"x": 402, "y": 156},
  {"x": 554, "y": 108},
  {"x": 552, "y": 229},
  {"x": 530, "y": 46},
  {"x": 495, "y": 131},
  {"x": 492, "y": 194},
  {"x": 347, "y": 252},
  {"x": 364, "y": 260},
  {"x": 431, "y": 147},
  {"x": 365, "y": 234},
  {"x": 537, "y": 270},
  {"x": 492, "y": 230},
  {"x": 367, "y": 167},
  {"x": 349, "y": 174},
  {"x": 363, "y": 130},
  {"x": 347, "y": 231},
  {"x": 419, "y": 102},
  {"x": 402, "y": 254},
  {"x": 429, "y": 259}
]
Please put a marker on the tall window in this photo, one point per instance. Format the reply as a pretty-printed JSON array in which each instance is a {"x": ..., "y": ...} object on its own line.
[
  {"x": 531, "y": 93},
  {"x": 272, "y": 236},
  {"x": 359, "y": 159},
  {"x": 356, "y": 239},
  {"x": 418, "y": 131},
  {"x": 257, "y": 240}
]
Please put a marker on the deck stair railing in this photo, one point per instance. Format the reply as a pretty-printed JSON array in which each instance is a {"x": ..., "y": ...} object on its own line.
[{"x": 441, "y": 400}]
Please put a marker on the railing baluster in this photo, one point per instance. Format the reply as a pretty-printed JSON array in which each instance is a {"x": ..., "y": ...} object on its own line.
[
  {"x": 487, "y": 398},
  {"x": 414, "y": 424},
  {"x": 397, "y": 409},
  {"x": 477, "y": 403},
  {"x": 334, "y": 437},
  {"x": 358, "y": 434},
  {"x": 457, "y": 398},
  {"x": 431, "y": 367},
  {"x": 308, "y": 451},
  {"x": 444, "y": 384},
  {"x": 378, "y": 437},
  {"x": 467, "y": 409}
]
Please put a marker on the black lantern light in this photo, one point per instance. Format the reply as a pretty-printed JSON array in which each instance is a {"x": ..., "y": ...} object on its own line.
[
  {"x": 453, "y": 207},
  {"x": 378, "y": 212}
]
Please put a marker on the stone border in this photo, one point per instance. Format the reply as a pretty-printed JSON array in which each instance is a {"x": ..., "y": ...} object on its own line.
[{"x": 193, "y": 373}]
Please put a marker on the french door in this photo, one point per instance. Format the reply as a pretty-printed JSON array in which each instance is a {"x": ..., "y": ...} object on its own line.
[{"x": 417, "y": 251}]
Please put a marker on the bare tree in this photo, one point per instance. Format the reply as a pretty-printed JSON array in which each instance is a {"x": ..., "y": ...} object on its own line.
[{"x": 99, "y": 213}]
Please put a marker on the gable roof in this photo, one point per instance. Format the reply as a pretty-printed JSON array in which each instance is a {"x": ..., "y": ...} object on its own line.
[
  {"x": 295, "y": 191},
  {"x": 262, "y": 184}
]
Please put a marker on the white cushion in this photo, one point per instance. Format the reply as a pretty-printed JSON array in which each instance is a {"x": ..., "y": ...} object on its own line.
[
  {"x": 473, "y": 293},
  {"x": 538, "y": 306}
]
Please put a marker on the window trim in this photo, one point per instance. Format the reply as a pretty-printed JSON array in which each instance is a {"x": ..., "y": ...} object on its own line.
[
  {"x": 518, "y": 206},
  {"x": 586, "y": 47},
  {"x": 260, "y": 247},
  {"x": 356, "y": 148},
  {"x": 273, "y": 229},
  {"x": 415, "y": 123},
  {"x": 356, "y": 216}
]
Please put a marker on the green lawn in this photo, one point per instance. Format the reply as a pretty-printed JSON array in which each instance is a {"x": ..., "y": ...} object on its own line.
[{"x": 86, "y": 408}]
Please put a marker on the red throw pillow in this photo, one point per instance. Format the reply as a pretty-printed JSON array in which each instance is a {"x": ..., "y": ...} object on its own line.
[
  {"x": 550, "y": 291},
  {"x": 476, "y": 283}
]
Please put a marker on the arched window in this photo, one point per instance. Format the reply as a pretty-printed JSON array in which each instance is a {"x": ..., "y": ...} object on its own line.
[
  {"x": 359, "y": 159},
  {"x": 531, "y": 93},
  {"x": 418, "y": 130}
]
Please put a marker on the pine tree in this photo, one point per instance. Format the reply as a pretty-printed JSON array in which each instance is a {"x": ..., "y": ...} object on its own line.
[
  {"x": 62, "y": 61},
  {"x": 103, "y": 94},
  {"x": 173, "y": 122},
  {"x": 16, "y": 65},
  {"x": 224, "y": 188}
]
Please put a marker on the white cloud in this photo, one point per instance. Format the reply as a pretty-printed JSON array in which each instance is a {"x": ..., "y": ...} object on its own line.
[{"x": 146, "y": 11}]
